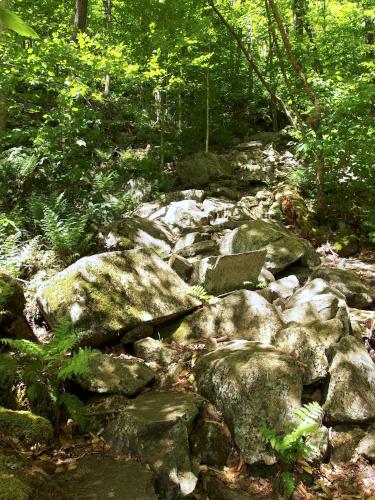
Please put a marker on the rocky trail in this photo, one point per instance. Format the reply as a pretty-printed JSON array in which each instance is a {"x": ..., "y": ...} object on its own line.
[{"x": 214, "y": 318}]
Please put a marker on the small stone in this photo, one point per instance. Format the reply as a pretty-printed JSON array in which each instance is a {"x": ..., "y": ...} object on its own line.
[{"x": 153, "y": 350}]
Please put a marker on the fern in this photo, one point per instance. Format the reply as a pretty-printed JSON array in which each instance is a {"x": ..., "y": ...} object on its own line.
[
  {"x": 289, "y": 484},
  {"x": 292, "y": 445},
  {"x": 74, "y": 408},
  {"x": 78, "y": 364},
  {"x": 45, "y": 368},
  {"x": 199, "y": 292},
  {"x": 10, "y": 237},
  {"x": 66, "y": 233}
]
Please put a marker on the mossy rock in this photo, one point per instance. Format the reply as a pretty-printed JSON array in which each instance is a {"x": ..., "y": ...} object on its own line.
[{"x": 25, "y": 426}]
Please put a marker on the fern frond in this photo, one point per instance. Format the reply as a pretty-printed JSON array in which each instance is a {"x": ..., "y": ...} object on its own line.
[
  {"x": 26, "y": 347},
  {"x": 289, "y": 484},
  {"x": 74, "y": 408},
  {"x": 199, "y": 292},
  {"x": 78, "y": 364}
]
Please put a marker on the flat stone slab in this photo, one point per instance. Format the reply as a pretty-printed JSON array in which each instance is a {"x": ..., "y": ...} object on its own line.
[
  {"x": 155, "y": 429},
  {"x": 225, "y": 273}
]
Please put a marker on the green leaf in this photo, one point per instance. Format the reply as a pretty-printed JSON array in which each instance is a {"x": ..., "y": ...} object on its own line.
[{"x": 15, "y": 23}]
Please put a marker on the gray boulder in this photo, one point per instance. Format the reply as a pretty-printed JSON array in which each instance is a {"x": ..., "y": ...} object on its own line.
[
  {"x": 283, "y": 247},
  {"x": 349, "y": 284},
  {"x": 239, "y": 315},
  {"x": 252, "y": 385},
  {"x": 135, "y": 232},
  {"x": 309, "y": 344},
  {"x": 109, "y": 375},
  {"x": 108, "y": 294},
  {"x": 280, "y": 289},
  {"x": 201, "y": 168},
  {"x": 189, "y": 239},
  {"x": 152, "y": 350},
  {"x": 155, "y": 429},
  {"x": 225, "y": 273},
  {"x": 186, "y": 213},
  {"x": 351, "y": 390},
  {"x": 316, "y": 301}
]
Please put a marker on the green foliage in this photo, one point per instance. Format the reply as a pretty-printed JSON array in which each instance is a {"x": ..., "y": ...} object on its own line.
[
  {"x": 44, "y": 369},
  {"x": 66, "y": 234},
  {"x": 10, "y": 237},
  {"x": 15, "y": 23},
  {"x": 200, "y": 293},
  {"x": 292, "y": 445},
  {"x": 289, "y": 484},
  {"x": 369, "y": 227}
]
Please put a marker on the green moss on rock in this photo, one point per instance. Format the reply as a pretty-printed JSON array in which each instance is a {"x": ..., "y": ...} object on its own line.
[{"x": 25, "y": 426}]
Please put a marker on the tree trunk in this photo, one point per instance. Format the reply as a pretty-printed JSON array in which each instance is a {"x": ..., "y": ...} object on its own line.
[
  {"x": 80, "y": 18},
  {"x": 250, "y": 59},
  {"x": 314, "y": 120},
  {"x": 108, "y": 13},
  {"x": 207, "y": 142},
  {"x": 4, "y": 89}
]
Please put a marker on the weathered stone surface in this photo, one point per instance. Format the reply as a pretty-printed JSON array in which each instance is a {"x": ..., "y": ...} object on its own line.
[
  {"x": 155, "y": 351},
  {"x": 155, "y": 429},
  {"x": 201, "y": 168},
  {"x": 316, "y": 301},
  {"x": 13, "y": 323},
  {"x": 239, "y": 315},
  {"x": 308, "y": 344},
  {"x": 187, "y": 194},
  {"x": 146, "y": 210},
  {"x": 283, "y": 247},
  {"x": 280, "y": 289},
  {"x": 210, "y": 443},
  {"x": 104, "y": 477},
  {"x": 186, "y": 213},
  {"x": 351, "y": 391},
  {"x": 111, "y": 375},
  {"x": 25, "y": 426},
  {"x": 225, "y": 273},
  {"x": 319, "y": 444},
  {"x": 208, "y": 247},
  {"x": 107, "y": 294},
  {"x": 252, "y": 385},
  {"x": 181, "y": 266},
  {"x": 344, "y": 442},
  {"x": 135, "y": 232},
  {"x": 140, "y": 188},
  {"x": 366, "y": 447},
  {"x": 189, "y": 239},
  {"x": 349, "y": 284}
]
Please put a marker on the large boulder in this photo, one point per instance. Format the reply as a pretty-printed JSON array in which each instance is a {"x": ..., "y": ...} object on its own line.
[
  {"x": 252, "y": 385},
  {"x": 356, "y": 293},
  {"x": 13, "y": 323},
  {"x": 25, "y": 426},
  {"x": 316, "y": 301},
  {"x": 351, "y": 390},
  {"x": 186, "y": 213},
  {"x": 155, "y": 429},
  {"x": 135, "y": 232},
  {"x": 225, "y": 273},
  {"x": 283, "y": 247},
  {"x": 239, "y": 315},
  {"x": 201, "y": 168},
  {"x": 309, "y": 345},
  {"x": 109, "y": 375},
  {"x": 108, "y": 294}
]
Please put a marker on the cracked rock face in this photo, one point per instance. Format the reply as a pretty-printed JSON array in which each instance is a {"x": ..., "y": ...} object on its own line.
[
  {"x": 351, "y": 390},
  {"x": 252, "y": 385}
]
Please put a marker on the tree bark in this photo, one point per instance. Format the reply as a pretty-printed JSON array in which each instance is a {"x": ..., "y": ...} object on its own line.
[
  {"x": 207, "y": 142},
  {"x": 314, "y": 120},
  {"x": 108, "y": 13},
  {"x": 4, "y": 89},
  {"x": 80, "y": 18}
]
